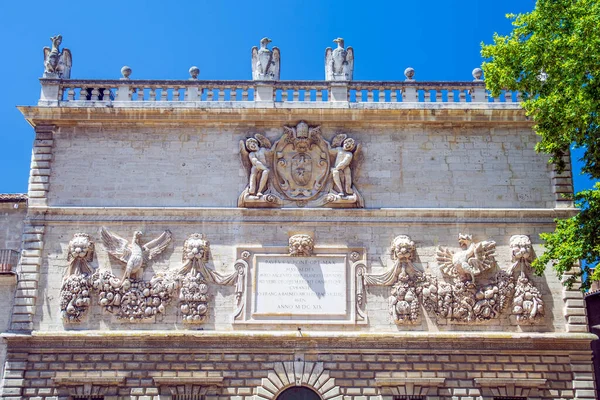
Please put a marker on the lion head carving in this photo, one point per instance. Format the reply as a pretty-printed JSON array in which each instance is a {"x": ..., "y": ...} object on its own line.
[
  {"x": 81, "y": 247},
  {"x": 301, "y": 245},
  {"x": 521, "y": 248},
  {"x": 196, "y": 247},
  {"x": 402, "y": 248}
]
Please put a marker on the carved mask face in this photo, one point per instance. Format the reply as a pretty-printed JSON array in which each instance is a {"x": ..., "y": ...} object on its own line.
[
  {"x": 196, "y": 248},
  {"x": 301, "y": 245},
  {"x": 521, "y": 248},
  {"x": 80, "y": 245},
  {"x": 403, "y": 248}
]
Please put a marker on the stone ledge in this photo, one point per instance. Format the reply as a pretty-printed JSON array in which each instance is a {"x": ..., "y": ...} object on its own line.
[
  {"x": 215, "y": 214},
  {"x": 8, "y": 278},
  {"x": 496, "y": 382},
  {"x": 97, "y": 381},
  {"x": 200, "y": 381},
  {"x": 431, "y": 382}
]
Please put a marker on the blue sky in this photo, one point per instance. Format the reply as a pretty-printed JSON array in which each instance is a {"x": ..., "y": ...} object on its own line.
[{"x": 160, "y": 40}]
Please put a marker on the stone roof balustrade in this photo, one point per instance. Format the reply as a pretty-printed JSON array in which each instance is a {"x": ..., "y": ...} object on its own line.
[{"x": 259, "y": 94}]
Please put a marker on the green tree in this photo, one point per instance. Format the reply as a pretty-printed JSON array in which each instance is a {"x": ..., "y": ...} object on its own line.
[{"x": 552, "y": 57}]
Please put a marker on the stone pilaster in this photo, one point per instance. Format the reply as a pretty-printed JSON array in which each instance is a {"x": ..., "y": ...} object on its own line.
[
  {"x": 574, "y": 303},
  {"x": 41, "y": 160},
  {"x": 29, "y": 275},
  {"x": 14, "y": 373},
  {"x": 583, "y": 374},
  {"x": 562, "y": 184}
]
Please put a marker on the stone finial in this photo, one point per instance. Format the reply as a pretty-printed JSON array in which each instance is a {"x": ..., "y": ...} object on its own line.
[
  {"x": 477, "y": 74},
  {"x": 194, "y": 72},
  {"x": 409, "y": 73},
  {"x": 57, "y": 63},
  {"x": 126, "y": 72},
  {"x": 339, "y": 63},
  {"x": 265, "y": 62}
]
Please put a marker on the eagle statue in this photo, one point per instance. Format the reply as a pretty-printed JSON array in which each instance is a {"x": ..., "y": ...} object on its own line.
[
  {"x": 133, "y": 254},
  {"x": 265, "y": 62},
  {"x": 57, "y": 63},
  {"x": 339, "y": 63}
]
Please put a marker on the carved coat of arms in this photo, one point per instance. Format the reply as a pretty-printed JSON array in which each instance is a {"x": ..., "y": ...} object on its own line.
[{"x": 299, "y": 169}]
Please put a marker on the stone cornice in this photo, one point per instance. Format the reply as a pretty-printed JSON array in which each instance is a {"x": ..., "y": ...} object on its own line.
[
  {"x": 182, "y": 341},
  {"x": 306, "y": 215},
  {"x": 178, "y": 114}
]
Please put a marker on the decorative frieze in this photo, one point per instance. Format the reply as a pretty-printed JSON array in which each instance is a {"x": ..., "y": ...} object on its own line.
[{"x": 134, "y": 299}]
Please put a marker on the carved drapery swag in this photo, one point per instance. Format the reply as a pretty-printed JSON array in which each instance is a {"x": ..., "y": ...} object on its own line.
[
  {"x": 135, "y": 299},
  {"x": 458, "y": 297}
]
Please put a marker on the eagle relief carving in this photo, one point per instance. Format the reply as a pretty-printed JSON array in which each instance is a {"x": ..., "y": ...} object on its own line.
[{"x": 301, "y": 169}]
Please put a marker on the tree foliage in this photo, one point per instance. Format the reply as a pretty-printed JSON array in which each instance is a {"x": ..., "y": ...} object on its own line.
[{"x": 552, "y": 57}]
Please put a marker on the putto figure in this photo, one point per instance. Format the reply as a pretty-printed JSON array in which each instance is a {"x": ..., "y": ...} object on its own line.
[
  {"x": 265, "y": 63},
  {"x": 255, "y": 153},
  {"x": 134, "y": 255},
  {"x": 470, "y": 261},
  {"x": 342, "y": 148},
  {"x": 57, "y": 64},
  {"x": 299, "y": 169},
  {"x": 339, "y": 63}
]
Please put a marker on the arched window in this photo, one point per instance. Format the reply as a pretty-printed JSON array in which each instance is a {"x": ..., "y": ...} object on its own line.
[{"x": 298, "y": 393}]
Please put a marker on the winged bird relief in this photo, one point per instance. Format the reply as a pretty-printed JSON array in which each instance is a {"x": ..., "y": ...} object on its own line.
[
  {"x": 265, "y": 63},
  {"x": 57, "y": 64},
  {"x": 339, "y": 63},
  {"x": 470, "y": 261},
  {"x": 133, "y": 254}
]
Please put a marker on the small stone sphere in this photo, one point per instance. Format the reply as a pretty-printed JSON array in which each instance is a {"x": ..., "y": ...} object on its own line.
[
  {"x": 126, "y": 71},
  {"x": 194, "y": 72},
  {"x": 477, "y": 74},
  {"x": 409, "y": 73}
]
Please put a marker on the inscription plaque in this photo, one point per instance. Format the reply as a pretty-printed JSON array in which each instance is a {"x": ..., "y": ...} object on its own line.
[{"x": 309, "y": 286}]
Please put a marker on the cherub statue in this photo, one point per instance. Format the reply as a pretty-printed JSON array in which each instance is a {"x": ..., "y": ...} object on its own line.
[
  {"x": 265, "y": 63},
  {"x": 134, "y": 255},
  {"x": 80, "y": 254},
  {"x": 470, "y": 261},
  {"x": 342, "y": 148},
  {"x": 57, "y": 63},
  {"x": 256, "y": 153},
  {"x": 339, "y": 63}
]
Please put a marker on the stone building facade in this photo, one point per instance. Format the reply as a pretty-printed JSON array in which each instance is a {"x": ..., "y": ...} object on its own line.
[{"x": 267, "y": 239}]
